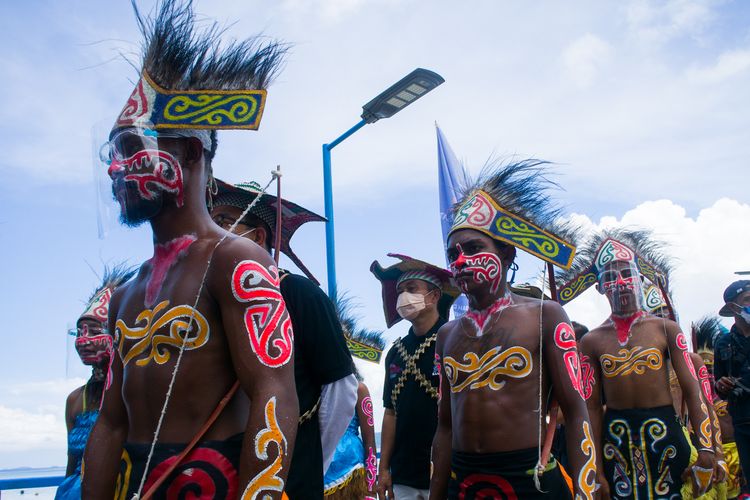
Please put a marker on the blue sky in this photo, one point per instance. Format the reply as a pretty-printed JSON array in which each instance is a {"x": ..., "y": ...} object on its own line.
[{"x": 635, "y": 101}]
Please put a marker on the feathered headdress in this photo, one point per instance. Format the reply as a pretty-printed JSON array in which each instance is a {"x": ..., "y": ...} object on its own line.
[
  {"x": 189, "y": 80},
  {"x": 510, "y": 203},
  {"x": 705, "y": 331},
  {"x": 98, "y": 304},
  {"x": 362, "y": 343},
  {"x": 613, "y": 244}
]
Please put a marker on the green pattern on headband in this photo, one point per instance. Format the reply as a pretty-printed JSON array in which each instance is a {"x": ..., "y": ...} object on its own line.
[{"x": 418, "y": 274}]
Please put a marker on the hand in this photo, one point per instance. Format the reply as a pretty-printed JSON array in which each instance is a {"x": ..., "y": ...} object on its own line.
[
  {"x": 697, "y": 472},
  {"x": 385, "y": 484},
  {"x": 721, "y": 471},
  {"x": 603, "y": 487},
  {"x": 724, "y": 385}
]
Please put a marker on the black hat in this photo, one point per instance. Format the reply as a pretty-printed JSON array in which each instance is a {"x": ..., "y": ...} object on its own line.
[{"x": 731, "y": 293}]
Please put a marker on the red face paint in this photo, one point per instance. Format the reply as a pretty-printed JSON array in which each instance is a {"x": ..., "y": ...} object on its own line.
[
  {"x": 624, "y": 324},
  {"x": 164, "y": 258},
  {"x": 252, "y": 282},
  {"x": 482, "y": 267},
  {"x": 152, "y": 171},
  {"x": 93, "y": 349}
]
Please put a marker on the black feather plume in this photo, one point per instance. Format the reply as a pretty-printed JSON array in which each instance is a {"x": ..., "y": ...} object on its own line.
[
  {"x": 705, "y": 331},
  {"x": 114, "y": 276}
]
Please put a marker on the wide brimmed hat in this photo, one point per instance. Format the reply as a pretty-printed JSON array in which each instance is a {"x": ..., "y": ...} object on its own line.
[
  {"x": 292, "y": 215},
  {"x": 389, "y": 279}
]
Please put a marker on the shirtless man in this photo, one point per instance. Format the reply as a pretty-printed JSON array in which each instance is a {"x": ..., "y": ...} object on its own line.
[
  {"x": 203, "y": 314},
  {"x": 645, "y": 453},
  {"x": 501, "y": 362}
]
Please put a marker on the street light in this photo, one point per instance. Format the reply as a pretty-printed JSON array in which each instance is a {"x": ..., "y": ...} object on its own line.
[{"x": 386, "y": 104}]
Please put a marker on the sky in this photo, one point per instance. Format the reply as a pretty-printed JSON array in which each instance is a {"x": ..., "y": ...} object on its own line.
[{"x": 642, "y": 107}]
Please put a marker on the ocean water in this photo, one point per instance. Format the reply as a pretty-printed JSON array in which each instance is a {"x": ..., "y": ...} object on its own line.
[{"x": 35, "y": 493}]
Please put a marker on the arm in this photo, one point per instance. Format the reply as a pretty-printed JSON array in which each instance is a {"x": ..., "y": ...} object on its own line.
[
  {"x": 70, "y": 417},
  {"x": 337, "y": 402},
  {"x": 443, "y": 440},
  {"x": 562, "y": 366},
  {"x": 259, "y": 335},
  {"x": 104, "y": 447},
  {"x": 698, "y": 411},
  {"x": 707, "y": 394},
  {"x": 367, "y": 426},
  {"x": 387, "y": 434},
  {"x": 591, "y": 386}
]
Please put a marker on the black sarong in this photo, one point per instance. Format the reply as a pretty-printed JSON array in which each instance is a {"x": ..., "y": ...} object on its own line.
[
  {"x": 505, "y": 475},
  {"x": 645, "y": 452},
  {"x": 209, "y": 471}
]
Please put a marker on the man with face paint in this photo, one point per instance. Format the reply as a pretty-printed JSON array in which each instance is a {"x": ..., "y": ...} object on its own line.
[
  {"x": 323, "y": 369},
  {"x": 203, "y": 318},
  {"x": 732, "y": 366},
  {"x": 501, "y": 361},
  {"x": 93, "y": 342},
  {"x": 645, "y": 453},
  {"x": 421, "y": 294}
]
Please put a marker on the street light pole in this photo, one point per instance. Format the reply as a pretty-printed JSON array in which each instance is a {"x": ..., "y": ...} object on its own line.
[{"x": 386, "y": 104}]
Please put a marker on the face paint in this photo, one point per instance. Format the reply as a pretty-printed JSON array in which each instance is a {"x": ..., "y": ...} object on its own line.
[
  {"x": 482, "y": 267},
  {"x": 627, "y": 361},
  {"x": 175, "y": 320},
  {"x": 252, "y": 282},
  {"x": 565, "y": 340},
  {"x": 268, "y": 479},
  {"x": 93, "y": 349},
  {"x": 621, "y": 283},
  {"x": 372, "y": 469},
  {"x": 479, "y": 319},
  {"x": 682, "y": 345},
  {"x": 587, "y": 377},
  {"x": 624, "y": 325},
  {"x": 164, "y": 258},
  {"x": 481, "y": 372},
  {"x": 587, "y": 476},
  {"x": 367, "y": 410}
]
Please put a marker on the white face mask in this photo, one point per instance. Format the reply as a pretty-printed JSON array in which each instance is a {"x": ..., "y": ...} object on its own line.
[{"x": 409, "y": 305}]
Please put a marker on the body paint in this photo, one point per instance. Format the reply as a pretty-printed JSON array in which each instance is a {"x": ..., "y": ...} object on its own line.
[
  {"x": 682, "y": 345},
  {"x": 587, "y": 476},
  {"x": 479, "y": 318},
  {"x": 164, "y": 258},
  {"x": 624, "y": 325},
  {"x": 367, "y": 410},
  {"x": 268, "y": 479},
  {"x": 177, "y": 319},
  {"x": 484, "y": 267},
  {"x": 439, "y": 366},
  {"x": 587, "y": 377},
  {"x": 153, "y": 170},
  {"x": 565, "y": 339},
  {"x": 705, "y": 380},
  {"x": 481, "y": 372},
  {"x": 372, "y": 469},
  {"x": 703, "y": 477},
  {"x": 627, "y": 361},
  {"x": 704, "y": 433},
  {"x": 263, "y": 319}
]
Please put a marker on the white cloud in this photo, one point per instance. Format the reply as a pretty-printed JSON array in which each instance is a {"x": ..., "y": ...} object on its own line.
[
  {"x": 727, "y": 65},
  {"x": 707, "y": 248},
  {"x": 584, "y": 58},
  {"x": 659, "y": 22}
]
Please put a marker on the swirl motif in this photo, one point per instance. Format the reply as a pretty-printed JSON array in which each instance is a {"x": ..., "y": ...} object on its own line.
[
  {"x": 153, "y": 171},
  {"x": 682, "y": 346},
  {"x": 152, "y": 320},
  {"x": 704, "y": 434},
  {"x": 587, "y": 476},
  {"x": 480, "y": 485},
  {"x": 612, "y": 250},
  {"x": 705, "y": 379},
  {"x": 721, "y": 408},
  {"x": 211, "y": 109},
  {"x": 635, "y": 360},
  {"x": 268, "y": 479},
  {"x": 136, "y": 107},
  {"x": 371, "y": 465},
  {"x": 565, "y": 336},
  {"x": 577, "y": 286},
  {"x": 481, "y": 372},
  {"x": 656, "y": 430},
  {"x": 204, "y": 473},
  {"x": 367, "y": 410},
  {"x": 527, "y": 236},
  {"x": 267, "y": 314},
  {"x": 618, "y": 429},
  {"x": 98, "y": 308},
  {"x": 587, "y": 377},
  {"x": 362, "y": 351},
  {"x": 661, "y": 486},
  {"x": 653, "y": 298},
  {"x": 477, "y": 211}
]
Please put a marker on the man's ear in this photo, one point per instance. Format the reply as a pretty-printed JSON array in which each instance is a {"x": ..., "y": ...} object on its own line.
[
  {"x": 736, "y": 308},
  {"x": 193, "y": 150},
  {"x": 263, "y": 239}
]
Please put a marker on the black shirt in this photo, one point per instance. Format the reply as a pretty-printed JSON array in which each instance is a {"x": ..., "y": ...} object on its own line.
[
  {"x": 732, "y": 359},
  {"x": 320, "y": 357},
  {"x": 415, "y": 405}
]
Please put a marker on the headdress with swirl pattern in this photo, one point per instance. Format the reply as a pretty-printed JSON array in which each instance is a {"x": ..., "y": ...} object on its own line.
[
  {"x": 190, "y": 80},
  {"x": 625, "y": 244},
  {"x": 97, "y": 306},
  {"x": 510, "y": 203},
  {"x": 362, "y": 343}
]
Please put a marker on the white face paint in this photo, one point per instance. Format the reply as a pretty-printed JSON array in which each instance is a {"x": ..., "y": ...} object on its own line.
[{"x": 409, "y": 305}]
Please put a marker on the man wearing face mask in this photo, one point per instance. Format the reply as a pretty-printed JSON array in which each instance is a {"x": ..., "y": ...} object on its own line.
[
  {"x": 323, "y": 369},
  {"x": 421, "y": 294},
  {"x": 732, "y": 366}
]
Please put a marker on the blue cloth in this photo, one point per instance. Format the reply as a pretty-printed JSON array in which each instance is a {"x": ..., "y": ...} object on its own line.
[
  {"x": 70, "y": 488},
  {"x": 349, "y": 456}
]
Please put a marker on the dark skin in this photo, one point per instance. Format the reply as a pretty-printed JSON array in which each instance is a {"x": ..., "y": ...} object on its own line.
[
  {"x": 366, "y": 429},
  {"x": 423, "y": 323},
  {"x": 468, "y": 419},
  {"x": 132, "y": 405},
  {"x": 725, "y": 384},
  {"x": 719, "y": 472},
  {"x": 640, "y": 390}
]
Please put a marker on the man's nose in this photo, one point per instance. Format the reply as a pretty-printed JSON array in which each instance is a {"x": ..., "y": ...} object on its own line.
[
  {"x": 460, "y": 261},
  {"x": 620, "y": 281}
]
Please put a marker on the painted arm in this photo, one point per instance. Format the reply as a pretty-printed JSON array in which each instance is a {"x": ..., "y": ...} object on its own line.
[
  {"x": 702, "y": 470},
  {"x": 367, "y": 426},
  {"x": 101, "y": 459},
  {"x": 387, "y": 440},
  {"x": 337, "y": 401},
  {"x": 260, "y": 339},
  {"x": 707, "y": 393},
  {"x": 591, "y": 386},
  {"x": 443, "y": 441},
  {"x": 563, "y": 368}
]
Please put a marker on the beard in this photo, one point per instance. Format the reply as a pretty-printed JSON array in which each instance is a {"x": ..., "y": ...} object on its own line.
[
  {"x": 624, "y": 300},
  {"x": 134, "y": 208}
]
